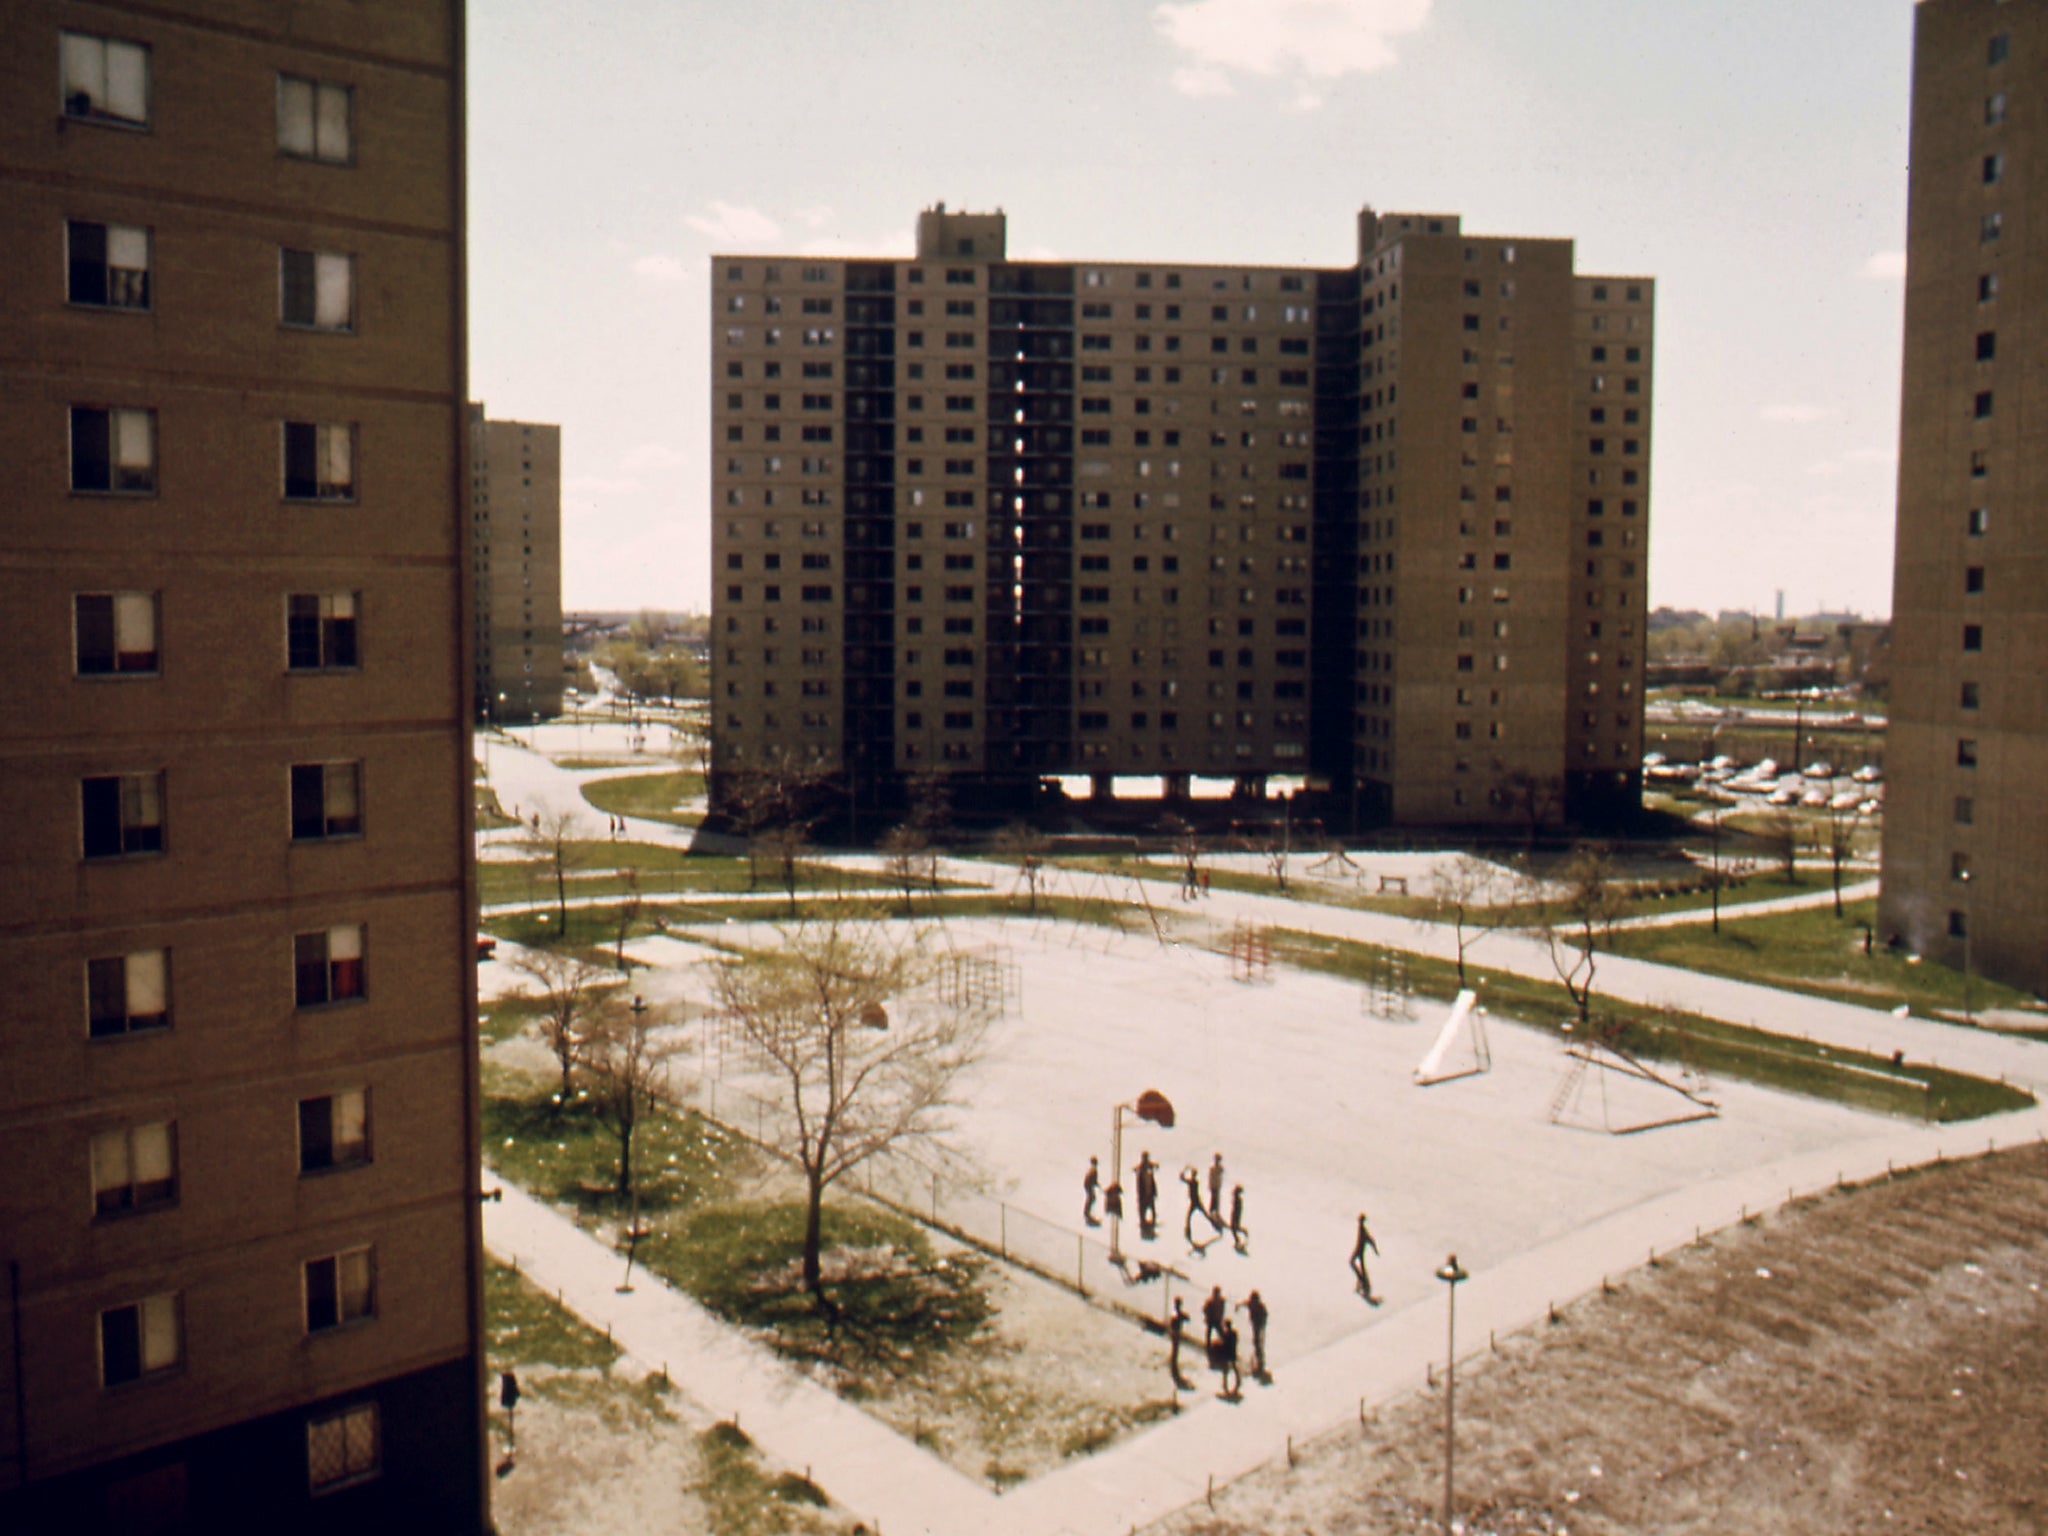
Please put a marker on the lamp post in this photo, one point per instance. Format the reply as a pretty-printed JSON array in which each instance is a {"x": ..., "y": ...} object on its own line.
[
  {"x": 1450, "y": 1274},
  {"x": 637, "y": 1007},
  {"x": 1969, "y": 1008},
  {"x": 1151, "y": 1105}
]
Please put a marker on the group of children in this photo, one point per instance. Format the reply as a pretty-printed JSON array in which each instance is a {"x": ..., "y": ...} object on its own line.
[
  {"x": 1147, "y": 1179},
  {"x": 1219, "y": 1339}
]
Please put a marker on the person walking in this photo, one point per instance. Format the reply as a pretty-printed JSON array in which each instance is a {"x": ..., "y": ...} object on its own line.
[
  {"x": 1148, "y": 1195},
  {"x": 1214, "y": 1312},
  {"x": 1176, "y": 1333},
  {"x": 1239, "y": 1236},
  {"x": 1255, "y": 1312},
  {"x": 1216, "y": 1190},
  {"x": 1091, "y": 1183},
  {"x": 1193, "y": 1182},
  {"x": 1358, "y": 1252}
]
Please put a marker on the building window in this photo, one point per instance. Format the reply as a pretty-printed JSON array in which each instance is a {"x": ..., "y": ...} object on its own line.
[
  {"x": 1958, "y": 925},
  {"x": 326, "y": 800},
  {"x": 1966, "y": 752},
  {"x": 319, "y": 461},
  {"x": 316, "y": 289},
  {"x": 113, "y": 449},
  {"x": 123, "y": 814},
  {"x": 340, "y": 1289},
  {"x": 127, "y": 994},
  {"x": 343, "y": 1448},
  {"x": 1973, "y": 637},
  {"x": 1965, "y": 810},
  {"x": 115, "y": 632},
  {"x": 1999, "y": 50},
  {"x": 320, "y": 631},
  {"x": 1979, "y": 521},
  {"x": 328, "y": 965},
  {"x": 334, "y": 1131},
  {"x": 1994, "y": 168},
  {"x": 1970, "y": 696},
  {"x": 1991, "y": 227},
  {"x": 313, "y": 119},
  {"x": 105, "y": 79},
  {"x": 1981, "y": 407},
  {"x": 1994, "y": 109},
  {"x": 135, "y": 1168},
  {"x": 107, "y": 265},
  {"x": 143, "y": 1339}
]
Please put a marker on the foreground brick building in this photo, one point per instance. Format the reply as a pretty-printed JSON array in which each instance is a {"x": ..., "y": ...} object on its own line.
[
  {"x": 1382, "y": 526},
  {"x": 238, "y": 1106},
  {"x": 1965, "y": 819}
]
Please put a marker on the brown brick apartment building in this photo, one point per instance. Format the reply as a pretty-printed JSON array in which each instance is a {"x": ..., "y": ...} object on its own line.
[
  {"x": 515, "y": 476},
  {"x": 239, "y": 1222},
  {"x": 1382, "y": 526},
  {"x": 1966, "y": 821}
]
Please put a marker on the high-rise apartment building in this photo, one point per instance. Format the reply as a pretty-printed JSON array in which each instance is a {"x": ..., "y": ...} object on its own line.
[
  {"x": 1382, "y": 526},
  {"x": 1967, "y": 749},
  {"x": 237, "y": 1112},
  {"x": 516, "y": 568}
]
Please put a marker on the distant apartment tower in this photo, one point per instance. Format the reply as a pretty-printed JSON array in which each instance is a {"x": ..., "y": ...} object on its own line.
[
  {"x": 1966, "y": 821},
  {"x": 238, "y": 1106},
  {"x": 516, "y": 566},
  {"x": 1383, "y": 526}
]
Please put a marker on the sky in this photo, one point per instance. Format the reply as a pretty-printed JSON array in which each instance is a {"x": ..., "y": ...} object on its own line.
[{"x": 1748, "y": 154}]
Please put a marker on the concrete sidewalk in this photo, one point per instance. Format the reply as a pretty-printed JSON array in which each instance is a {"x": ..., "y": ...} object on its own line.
[{"x": 868, "y": 1468}]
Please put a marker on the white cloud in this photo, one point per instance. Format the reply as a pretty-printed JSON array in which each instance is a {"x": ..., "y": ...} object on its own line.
[
  {"x": 815, "y": 217},
  {"x": 1799, "y": 413},
  {"x": 732, "y": 224},
  {"x": 661, "y": 269},
  {"x": 654, "y": 456},
  {"x": 579, "y": 486},
  {"x": 1202, "y": 80},
  {"x": 1315, "y": 39},
  {"x": 1885, "y": 266}
]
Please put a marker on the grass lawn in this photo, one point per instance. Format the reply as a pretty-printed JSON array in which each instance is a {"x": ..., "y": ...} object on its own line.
[
  {"x": 659, "y": 869},
  {"x": 654, "y": 796},
  {"x": 1669, "y": 1035},
  {"x": 525, "y": 1327},
  {"x": 726, "y": 1231},
  {"x": 1816, "y": 952}
]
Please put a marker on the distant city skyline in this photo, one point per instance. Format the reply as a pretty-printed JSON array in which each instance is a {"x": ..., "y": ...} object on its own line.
[{"x": 1750, "y": 157}]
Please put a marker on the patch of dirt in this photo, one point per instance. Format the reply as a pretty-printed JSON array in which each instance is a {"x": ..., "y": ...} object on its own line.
[
  {"x": 1047, "y": 1377},
  {"x": 1871, "y": 1361}
]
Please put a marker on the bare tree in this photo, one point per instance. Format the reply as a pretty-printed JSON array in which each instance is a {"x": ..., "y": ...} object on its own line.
[
  {"x": 1535, "y": 797},
  {"x": 1578, "y": 914},
  {"x": 625, "y": 1064},
  {"x": 772, "y": 805},
  {"x": 627, "y": 913},
  {"x": 567, "y": 986},
  {"x": 857, "y": 1077},
  {"x": 1783, "y": 840},
  {"x": 784, "y": 846},
  {"x": 552, "y": 837},
  {"x": 1477, "y": 896},
  {"x": 1024, "y": 845},
  {"x": 1841, "y": 844},
  {"x": 911, "y": 860}
]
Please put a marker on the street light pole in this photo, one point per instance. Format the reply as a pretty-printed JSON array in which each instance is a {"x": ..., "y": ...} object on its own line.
[
  {"x": 1969, "y": 1008},
  {"x": 637, "y": 1007},
  {"x": 1450, "y": 1274}
]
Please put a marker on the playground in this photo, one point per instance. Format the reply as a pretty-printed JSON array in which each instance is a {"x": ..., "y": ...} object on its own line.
[{"x": 1308, "y": 1087}]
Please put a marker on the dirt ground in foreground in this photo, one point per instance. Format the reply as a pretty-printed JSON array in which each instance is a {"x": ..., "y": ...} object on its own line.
[{"x": 1873, "y": 1360}]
